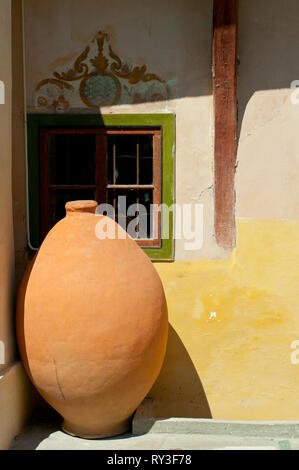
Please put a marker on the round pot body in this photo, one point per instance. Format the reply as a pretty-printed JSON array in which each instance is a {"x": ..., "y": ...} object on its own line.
[{"x": 92, "y": 324}]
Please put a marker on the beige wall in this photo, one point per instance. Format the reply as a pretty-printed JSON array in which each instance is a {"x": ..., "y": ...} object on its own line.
[
  {"x": 173, "y": 39},
  {"x": 16, "y": 403},
  {"x": 16, "y": 393},
  {"x": 268, "y": 158},
  {"x": 177, "y": 47},
  {"x": 6, "y": 225},
  {"x": 18, "y": 144},
  {"x": 155, "y": 33}
]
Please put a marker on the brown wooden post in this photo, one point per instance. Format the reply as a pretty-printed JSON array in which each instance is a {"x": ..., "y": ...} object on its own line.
[{"x": 225, "y": 40}]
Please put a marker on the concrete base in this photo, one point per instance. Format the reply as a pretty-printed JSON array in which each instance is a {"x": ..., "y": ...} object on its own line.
[
  {"x": 44, "y": 433},
  {"x": 145, "y": 422}
]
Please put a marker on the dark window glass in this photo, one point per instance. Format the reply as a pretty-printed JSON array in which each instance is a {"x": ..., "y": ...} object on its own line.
[
  {"x": 101, "y": 165},
  {"x": 146, "y": 159},
  {"x": 122, "y": 159},
  {"x": 138, "y": 222},
  {"x": 72, "y": 159},
  {"x": 58, "y": 200}
]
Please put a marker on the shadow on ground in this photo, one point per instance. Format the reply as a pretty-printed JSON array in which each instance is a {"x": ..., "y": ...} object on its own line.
[
  {"x": 178, "y": 391},
  {"x": 47, "y": 422},
  {"x": 43, "y": 423}
]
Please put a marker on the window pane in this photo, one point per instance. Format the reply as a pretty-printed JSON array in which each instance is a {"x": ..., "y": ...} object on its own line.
[
  {"x": 122, "y": 170},
  {"x": 58, "y": 200},
  {"x": 110, "y": 163},
  {"x": 146, "y": 199},
  {"x": 146, "y": 159},
  {"x": 126, "y": 204},
  {"x": 72, "y": 159}
]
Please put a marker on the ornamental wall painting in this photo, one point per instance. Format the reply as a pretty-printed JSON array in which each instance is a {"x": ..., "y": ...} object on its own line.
[{"x": 98, "y": 77}]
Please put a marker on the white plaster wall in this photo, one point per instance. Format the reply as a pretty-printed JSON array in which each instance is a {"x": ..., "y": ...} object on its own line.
[
  {"x": 174, "y": 39},
  {"x": 268, "y": 156}
]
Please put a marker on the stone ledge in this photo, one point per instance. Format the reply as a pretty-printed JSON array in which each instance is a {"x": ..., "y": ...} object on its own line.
[{"x": 144, "y": 422}]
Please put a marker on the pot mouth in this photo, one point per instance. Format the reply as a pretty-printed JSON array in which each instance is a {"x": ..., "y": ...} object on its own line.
[{"x": 75, "y": 207}]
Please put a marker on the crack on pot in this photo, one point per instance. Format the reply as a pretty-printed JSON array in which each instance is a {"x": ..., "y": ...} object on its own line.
[{"x": 57, "y": 380}]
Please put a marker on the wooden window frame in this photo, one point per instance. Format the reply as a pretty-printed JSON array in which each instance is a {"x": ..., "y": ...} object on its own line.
[
  {"x": 163, "y": 121},
  {"x": 101, "y": 187}
]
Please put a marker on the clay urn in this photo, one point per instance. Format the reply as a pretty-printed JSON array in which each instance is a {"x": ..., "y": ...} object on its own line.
[{"x": 92, "y": 324}]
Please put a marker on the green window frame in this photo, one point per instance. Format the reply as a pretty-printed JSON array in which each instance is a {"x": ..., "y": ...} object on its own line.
[{"x": 164, "y": 121}]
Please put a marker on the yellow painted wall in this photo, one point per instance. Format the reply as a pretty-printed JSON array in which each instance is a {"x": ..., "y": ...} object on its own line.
[{"x": 238, "y": 366}]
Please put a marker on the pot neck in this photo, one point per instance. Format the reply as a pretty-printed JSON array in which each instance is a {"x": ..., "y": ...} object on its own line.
[{"x": 79, "y": 207}]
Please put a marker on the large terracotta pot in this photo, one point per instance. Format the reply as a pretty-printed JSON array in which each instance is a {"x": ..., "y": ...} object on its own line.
[{"x": 92, "y": 325}]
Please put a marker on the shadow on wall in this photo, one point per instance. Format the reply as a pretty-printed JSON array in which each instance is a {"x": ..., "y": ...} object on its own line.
[
  {"x": 179, "y": 379},
  {"x": 268, "y": 48},
  {"x": 116, "y": 60},
  {"x": 267, "y": 166}
]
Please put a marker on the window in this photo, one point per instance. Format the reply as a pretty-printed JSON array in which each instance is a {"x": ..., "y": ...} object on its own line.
[
  {"x": 103, "y": 165},
  {"x": 104, "y": 158}
]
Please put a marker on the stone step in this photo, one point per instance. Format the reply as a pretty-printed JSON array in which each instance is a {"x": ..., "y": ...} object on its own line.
[{"x": 145, "y": 422}]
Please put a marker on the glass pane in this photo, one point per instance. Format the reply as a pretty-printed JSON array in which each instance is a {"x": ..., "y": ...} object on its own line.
[
  {"x": 133, "y": 211},
  {"x": 146, "y": 159},
  {"x": 110, "y": 164},
  {"x": 125, "y": 148},
  {"x": 146, "y": 199},
  {"x": 72, "y": 159},
  {"x": 58, "y": 200}
]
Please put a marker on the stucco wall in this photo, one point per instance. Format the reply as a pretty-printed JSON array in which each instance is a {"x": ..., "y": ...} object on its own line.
[
  {"x": 15, "y": 391},
  {"x": 237, "y": 365},
  {"x": 16, "y": 403},
  {"x": 174, "y": 42},
  {"x": 268, "y": 159},
  {"x": 6, "y": 225},
  {"x": 18, "y": 145}
]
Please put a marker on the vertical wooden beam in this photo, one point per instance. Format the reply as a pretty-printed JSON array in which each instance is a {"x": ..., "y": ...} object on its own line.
[{"x": 225, "y": 40}]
